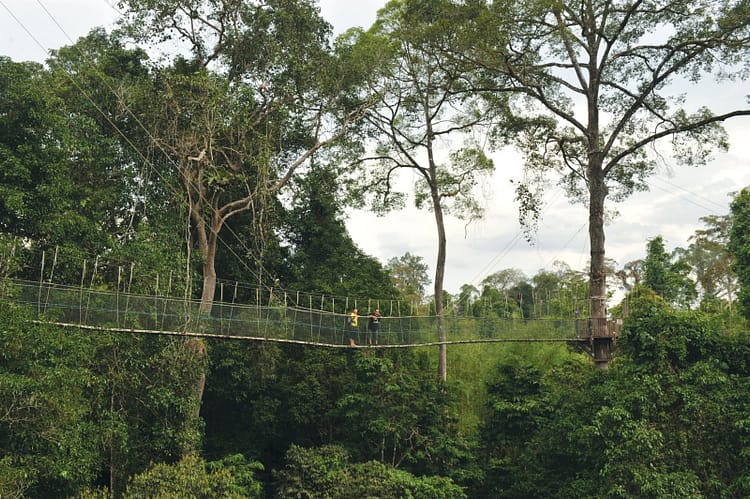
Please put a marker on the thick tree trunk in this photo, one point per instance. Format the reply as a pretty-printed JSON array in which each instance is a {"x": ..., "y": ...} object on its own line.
[
  {"x": 209, "y": 287},
  {"x": 601, "y": 342},
  {"x": 196, "y": 347}
]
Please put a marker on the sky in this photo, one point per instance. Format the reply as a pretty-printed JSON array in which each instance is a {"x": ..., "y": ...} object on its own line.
[{"x": 678, "y": 197}]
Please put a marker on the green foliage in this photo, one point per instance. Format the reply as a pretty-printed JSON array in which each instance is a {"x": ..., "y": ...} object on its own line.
[
  {"x": 667, "y": 276},
  {"x": 261, "y": 400},
  {"x": 711, "y": 260},
  {"x": 672, "y": 431},
  {"x": 643, "y": 300},
  {"x": 663, "y": 421},
  {"x": 48, "y": 433},
  {"x": 15, "y": 479},
  {"x": 409, "y": 274},
  {"x": 192, "y": 477},
  {"x": 395, "y": 413},
  {"x": 739, "y": 246},
  {"x": 327, "y": 472},
  {"x": 79, "y": 409},
  {"x": 75, "y": 403},
  {"x": 241, "y": 404},
  {"x": 494, "y": 304},
  {"x": 658, "y": 336},
  {"x": 323, "y": 258},
  {"x": 11, "y": 260},
  {"x": 243, "y": 473},
  {"x": 144, "y": 409},
  {"x": 559, "y": 294},
  {"x": 45, "y": 195}
]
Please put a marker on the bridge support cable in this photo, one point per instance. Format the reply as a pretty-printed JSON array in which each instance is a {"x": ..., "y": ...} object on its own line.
[
  {"x": 274, "y": 321},
  {"x": 261, "y": 339}
]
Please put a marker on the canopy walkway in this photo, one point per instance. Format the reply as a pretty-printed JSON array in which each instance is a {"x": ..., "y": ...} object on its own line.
[{"x": 278, "y": 318}]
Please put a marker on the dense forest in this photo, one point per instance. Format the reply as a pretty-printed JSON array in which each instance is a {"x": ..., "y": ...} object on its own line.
[{"x": 218, "y": 143}]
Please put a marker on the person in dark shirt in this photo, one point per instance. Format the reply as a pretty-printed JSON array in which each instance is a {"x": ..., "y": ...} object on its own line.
[{"x": 373, "y": 324}]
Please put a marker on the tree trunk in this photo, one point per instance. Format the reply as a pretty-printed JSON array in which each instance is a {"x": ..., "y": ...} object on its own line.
[
  {"x": 601, "y": 342},
  {"x": 439, "y": 277},
  {"x": 209, "y": 283},
  {"x": 196, "y": 347}
]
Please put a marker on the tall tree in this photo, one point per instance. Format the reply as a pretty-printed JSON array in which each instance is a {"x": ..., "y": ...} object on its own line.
[
  {"x": 422, "y": 103},
  {"x": 708, "y": 256},
  {"x": 503, "y": 280},
  {"x": 109, "y": 171},
  {"x": 630, "y": 275},
  {"x": 409, "y": 274},
  {"x": 667, "y": 274},
  {"x": 467, "y": 295},
  {"x": 739, "y": 246},
  {"x": 610, "y": 76},
  {"x": 62, "y": 179},
  {"x": 323, "y": 258},
  {"x": 260, "y": 94},
  {"x": 32, "y": 163},
  {"x": 48, "y": 432}
]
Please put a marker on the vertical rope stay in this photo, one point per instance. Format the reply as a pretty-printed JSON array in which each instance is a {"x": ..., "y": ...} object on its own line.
[
  {"x": 130, "y": 287},
  {"x": 400, "y": 323},
  {"x": 51, "y": 275},
  {"x": 156, "y": 302},
  {"x": 343, "y": 326},
  {"x": 80, "y": 292},
  {"x": 257, "y": 308},
  {"x": 41, "y": 281},
  {"x": 294, "y": 322},
  {"x": 390, "y": 314},
  {"x": 166, "y": 300},
  {"x": 286, "y": 307},
  {"x": 221, "y": 313},
  {"x": 54, "y": 264},
  {"x": 268, "y": 310},
  {"x": 335, "y": 319},
  {"x": 320, "y": 316},
  {"x": 91, "y": 285},
  {"x": 312, "y": 335},
  {"x": 188, "y": 278},
  {"x": 231, "y": 310},
  {"x": 117, "y": 295}
]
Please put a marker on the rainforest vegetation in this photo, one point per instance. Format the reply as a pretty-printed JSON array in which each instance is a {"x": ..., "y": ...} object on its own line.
[{"x": 217, "y": 142}]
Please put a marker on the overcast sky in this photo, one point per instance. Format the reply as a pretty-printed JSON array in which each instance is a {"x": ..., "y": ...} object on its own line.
[{"x": 678, "y": 196}]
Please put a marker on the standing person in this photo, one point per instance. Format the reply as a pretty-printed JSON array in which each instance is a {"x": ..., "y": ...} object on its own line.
[
  {"x": 352, "y": 322},
  {"x": 353, "y": 318},
  {"x": 374, "y": 324}
]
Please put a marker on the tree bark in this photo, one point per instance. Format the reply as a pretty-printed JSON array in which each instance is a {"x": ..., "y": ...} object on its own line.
[
  {"x": 439, "y": 278},
  {"x": 601, "y": 342}
]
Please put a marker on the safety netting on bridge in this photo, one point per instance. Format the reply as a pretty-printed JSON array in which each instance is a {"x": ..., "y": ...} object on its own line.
[{"x": 279, "y": 316}]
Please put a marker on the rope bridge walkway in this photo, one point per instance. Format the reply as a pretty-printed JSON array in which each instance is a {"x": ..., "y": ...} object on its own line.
[{"x": 279, "y": 319}]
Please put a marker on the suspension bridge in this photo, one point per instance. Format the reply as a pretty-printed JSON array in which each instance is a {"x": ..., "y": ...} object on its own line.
[{"x": 278, "y": 317}]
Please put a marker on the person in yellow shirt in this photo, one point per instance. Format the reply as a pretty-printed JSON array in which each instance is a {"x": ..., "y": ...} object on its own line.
[
  {"x": 352, "y": 322},
  {"x": 353, "y": 318}
]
